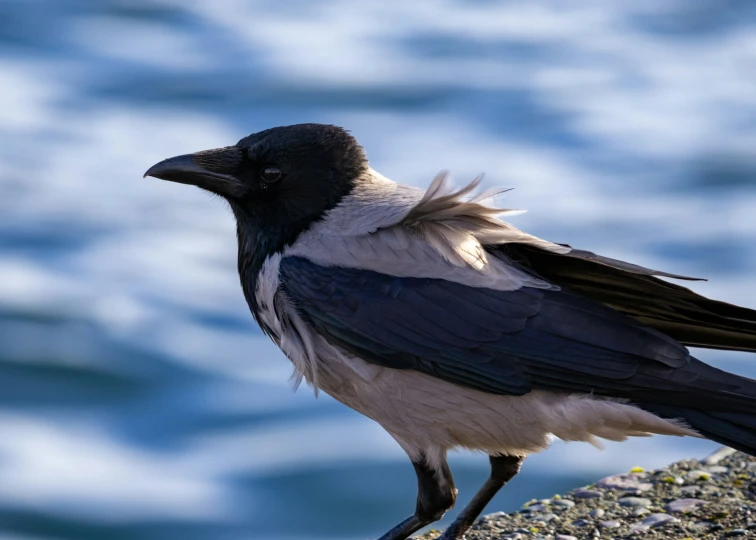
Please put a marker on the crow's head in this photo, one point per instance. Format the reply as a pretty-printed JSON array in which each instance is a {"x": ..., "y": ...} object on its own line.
[{"x": 278, "y": 181}]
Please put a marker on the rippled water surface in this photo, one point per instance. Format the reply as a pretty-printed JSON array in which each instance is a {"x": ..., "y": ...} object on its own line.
[{"x": 137, "y": 398}]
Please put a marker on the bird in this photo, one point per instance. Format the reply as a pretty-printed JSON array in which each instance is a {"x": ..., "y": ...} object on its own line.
[{"x": 427, "y": 312}]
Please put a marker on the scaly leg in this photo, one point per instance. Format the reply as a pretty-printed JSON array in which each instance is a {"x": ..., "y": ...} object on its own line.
[
  {"x": 503, "y": 469},
  {"x": 435, "y": 495}
]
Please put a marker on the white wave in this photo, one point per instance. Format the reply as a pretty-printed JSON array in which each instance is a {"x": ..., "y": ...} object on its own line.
[
  {"x": 622, "y": 86},
  {"x": 76, "y": 469}
]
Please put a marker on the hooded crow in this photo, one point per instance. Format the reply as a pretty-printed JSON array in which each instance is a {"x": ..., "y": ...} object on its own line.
[{"x": 451, "y": 328}]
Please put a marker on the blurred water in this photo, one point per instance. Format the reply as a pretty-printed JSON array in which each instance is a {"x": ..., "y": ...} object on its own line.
[{"x": 138, "y": 399}]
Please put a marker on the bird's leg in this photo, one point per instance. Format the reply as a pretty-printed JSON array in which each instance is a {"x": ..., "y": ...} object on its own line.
[
  {"x": 435, "y": 495},
  {"x": 503, "y": 469}
]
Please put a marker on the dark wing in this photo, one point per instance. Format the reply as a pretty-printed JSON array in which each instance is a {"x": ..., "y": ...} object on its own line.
[
  {"x": 676, "y": 311},
  {"x": 504, "y": 342}
]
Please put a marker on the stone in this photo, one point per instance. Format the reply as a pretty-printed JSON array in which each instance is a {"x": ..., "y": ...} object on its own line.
[
  {"x": 611, "y": 524},
  {"x": 562, "y": 503},
  {"x": 719, "y": 455},
  {"x": 597, "y": 513},
  {"x": 697, "y": 475},
  {"x": 634, "y": 502},
  {"x": 653, "y": 521},
  {"x": 626, "y": 482},
  {"x": 690, "y": 490},
  {"x": 586, "y": 494},
  {"x": 683, "y": 506}
]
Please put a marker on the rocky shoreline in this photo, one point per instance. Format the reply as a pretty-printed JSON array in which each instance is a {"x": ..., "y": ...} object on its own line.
[{"x": 711, "y": 498}]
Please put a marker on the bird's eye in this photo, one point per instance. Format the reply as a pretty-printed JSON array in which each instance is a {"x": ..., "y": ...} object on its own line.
[{"x": 271, "y": 174}]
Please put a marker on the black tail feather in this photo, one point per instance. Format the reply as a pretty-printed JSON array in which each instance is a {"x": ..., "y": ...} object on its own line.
[{"x": 733, "y": 429}]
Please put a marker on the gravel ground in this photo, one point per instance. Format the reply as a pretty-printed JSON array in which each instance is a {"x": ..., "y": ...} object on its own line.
[{"x": 707, "y": 499}]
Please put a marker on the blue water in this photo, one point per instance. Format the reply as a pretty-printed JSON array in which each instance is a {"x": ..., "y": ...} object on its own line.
[{"x": 137, "y": 398}]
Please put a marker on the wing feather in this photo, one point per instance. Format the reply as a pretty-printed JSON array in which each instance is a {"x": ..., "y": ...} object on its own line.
[
  {"x": 676, "y": 311},
  {"x": 506, "y": 342}
]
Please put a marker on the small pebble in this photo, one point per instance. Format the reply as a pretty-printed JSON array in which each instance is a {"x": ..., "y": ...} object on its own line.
[
  {"x": 581, "y": 522},
  {"x": 625, "y": 482},
  {"x": 673, "y": 479},
  {"x": 736, "y": 532},
  {"x": 653, "y": 521},
  {"x": 634, "y": 502},
  {"x": 597, "y": 513},
  {"x": 698, "y": 475},
  {"x": 690, "y": 490},
  {"x": 535, "y": 508},
  {"x": 640, "y": 512},
  {"x": 565, "y": 537},
  {"x": 612, "y": 524},
  {"x": 718, "y": 469},
  {"x": 683, "y": 506},
  {"x": 586, "y": 494},
  {"x": 719, "y": 455},
  {"x": 563, "y": 503},
  {"x": 545, "y": 518}
]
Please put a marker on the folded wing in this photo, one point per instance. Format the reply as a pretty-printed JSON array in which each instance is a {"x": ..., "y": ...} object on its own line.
[{"x": 504, "y": 342}]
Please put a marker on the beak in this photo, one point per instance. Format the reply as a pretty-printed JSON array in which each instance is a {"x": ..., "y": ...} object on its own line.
[{"x": 212, "y": 170}]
